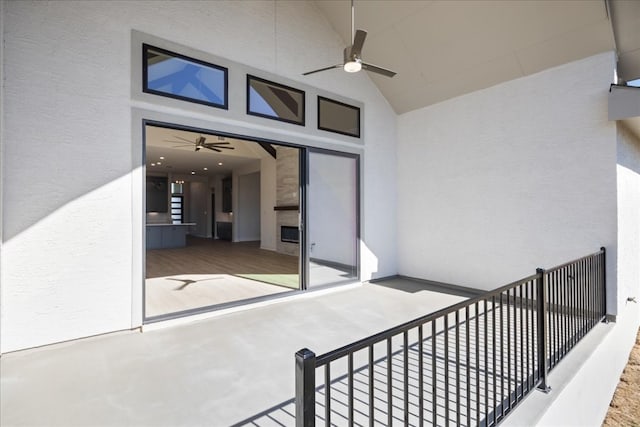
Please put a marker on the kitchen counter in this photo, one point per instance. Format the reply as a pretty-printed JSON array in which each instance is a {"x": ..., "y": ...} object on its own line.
[
  {"x": 163, "y": 236},
  {"x": 162, "y": 224}
]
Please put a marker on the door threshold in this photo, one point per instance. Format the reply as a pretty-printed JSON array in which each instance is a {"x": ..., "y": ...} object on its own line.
[{"x": 196, "y": 317}]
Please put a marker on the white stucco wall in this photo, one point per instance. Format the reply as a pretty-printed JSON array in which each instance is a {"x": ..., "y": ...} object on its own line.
[
  {"x": 72, "y": 214},
  {"x": 517, "y": 176},
  {"x": 628, "y": 180}
]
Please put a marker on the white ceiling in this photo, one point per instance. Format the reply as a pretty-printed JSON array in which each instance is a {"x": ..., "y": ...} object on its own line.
[
  {"x": 181, "y": 158},
  {"x": 443, "y": 49}
]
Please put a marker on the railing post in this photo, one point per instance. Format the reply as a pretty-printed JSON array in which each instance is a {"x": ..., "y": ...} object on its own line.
[
  {"x": 604, "y": 285},
  {"x": 305, "y": 388},
  {"x": 541, "y": 296}
]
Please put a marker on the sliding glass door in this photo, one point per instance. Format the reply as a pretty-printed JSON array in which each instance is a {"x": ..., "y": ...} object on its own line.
[{"x": 332, "y": 227}]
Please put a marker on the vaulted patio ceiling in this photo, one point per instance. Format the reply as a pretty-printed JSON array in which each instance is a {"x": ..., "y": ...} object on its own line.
[{"x": 443, "y": 49}]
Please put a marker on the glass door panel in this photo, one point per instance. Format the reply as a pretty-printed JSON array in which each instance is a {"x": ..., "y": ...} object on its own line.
[{"x": 332, "y": 206}]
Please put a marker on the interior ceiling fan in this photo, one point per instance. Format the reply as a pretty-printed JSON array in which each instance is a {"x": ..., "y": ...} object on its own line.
[
  {"x": 200, "y": 142},
  {"x": 352, "y": 55}
]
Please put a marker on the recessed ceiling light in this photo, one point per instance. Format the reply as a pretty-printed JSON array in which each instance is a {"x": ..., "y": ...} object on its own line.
[
  {"x": 220, "y": 164},
  {"x": 206, "y": 169},
  {"x": 161, "y": 157},
  {"x": 153, "y": 164},
  {"x": 158, "y": 163},
  {"x": 193, "y": 172}
]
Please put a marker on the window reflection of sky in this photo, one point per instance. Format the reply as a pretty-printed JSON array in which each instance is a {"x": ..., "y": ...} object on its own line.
[
  {"x": 257, "y": 104},
  {"x": 176, "y": 76}
]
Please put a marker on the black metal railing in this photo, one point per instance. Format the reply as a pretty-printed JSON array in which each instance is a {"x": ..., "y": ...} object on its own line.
[{"x": 468, "y": 364}]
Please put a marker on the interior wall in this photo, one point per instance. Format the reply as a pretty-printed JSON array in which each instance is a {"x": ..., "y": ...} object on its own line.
[
  {"x": 70, "y": 270},
  {"x": 494, "y": 184},
  {"x": 628, "y": 181},
  {"x": 267, "y": 202},
  {"x": 248, "y": 213},
  {"x": 199, "y": 200}
]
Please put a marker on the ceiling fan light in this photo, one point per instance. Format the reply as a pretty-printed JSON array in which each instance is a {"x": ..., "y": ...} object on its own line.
[{"x": 352, "y": 66}]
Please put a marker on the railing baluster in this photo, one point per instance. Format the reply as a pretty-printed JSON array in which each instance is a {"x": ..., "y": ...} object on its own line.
[
  {"x": 573, "y": 304},
  {"x": 501, "y": 357},
  {"x": 553, "y": 308},
  {"x": 327, "y": 394},
  {"x": 389, "y": 383},
  {"x": 405, "y": 342},
  {"x": 528, "y": 330},
  {"x": 457, "y": 367},
  {"x": 509, "y": 349},
  {"x": 592, "y": 288},
  {"x": 468, "y": 370},
  {"x": 583, "y": 285},
  {"x": 434, "y": 377},
  {"x": 350, "y": 390},
  {"x": 493, "y": 360},
  {"x": 486, "y": 370},
  {"x": 371, "y": 387},
  {"x": 565, "y": 322},
  {"x": 477, "y": 305},
  {"x": 521, "y": 342},
  {"x": 446, "y": 369},
  {"x": 420, "y": 376}
]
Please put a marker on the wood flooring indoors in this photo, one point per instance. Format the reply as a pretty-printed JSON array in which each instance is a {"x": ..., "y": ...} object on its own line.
[{"x": 206, "y": 272}]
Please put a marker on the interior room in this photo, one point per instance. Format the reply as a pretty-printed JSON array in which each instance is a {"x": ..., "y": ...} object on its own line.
[{"x": 221, "y": 220}]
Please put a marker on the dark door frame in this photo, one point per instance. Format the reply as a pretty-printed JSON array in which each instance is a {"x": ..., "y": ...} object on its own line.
[{"x": 303, "y": 216}]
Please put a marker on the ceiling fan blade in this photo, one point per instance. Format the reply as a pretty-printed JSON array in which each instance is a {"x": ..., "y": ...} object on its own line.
[
  {"x": 358, "y": 42},
  {"x": 213, "y": 149},
  {"x": 184, "y": 139},
  {"x": 219, "y": 146},
  {"x": 219, "y": 143},
  {"x": 323, "y": 69},
  {"x": 378, "y": 70}
]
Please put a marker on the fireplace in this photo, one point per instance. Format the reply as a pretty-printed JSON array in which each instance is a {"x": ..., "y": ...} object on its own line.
[{"x": 289, "y": 234}]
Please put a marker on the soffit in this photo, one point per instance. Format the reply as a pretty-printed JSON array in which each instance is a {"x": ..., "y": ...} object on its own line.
[{"x": 443, "y": 49}]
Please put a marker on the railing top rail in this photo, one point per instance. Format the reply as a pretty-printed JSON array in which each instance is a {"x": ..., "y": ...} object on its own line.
[
  {"x": 566, "y": 264},
  {"x": 391, "y": 332}
]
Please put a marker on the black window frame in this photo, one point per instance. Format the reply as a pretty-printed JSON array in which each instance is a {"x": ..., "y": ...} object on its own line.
[
  {"x": 145, "y": 77},
  {"x": 285, "y": 87},
  {"x": 353, "y": 107}
]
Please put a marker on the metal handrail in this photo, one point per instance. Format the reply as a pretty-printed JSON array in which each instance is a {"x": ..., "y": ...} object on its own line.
[
  {"x": 396, "y": 330},
  {"x": 550, "y": 294}
]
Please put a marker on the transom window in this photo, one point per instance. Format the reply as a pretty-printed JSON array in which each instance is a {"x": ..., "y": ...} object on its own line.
[
  {"x": 177, "y": 76},
  {"x": 338, "y": 117}
]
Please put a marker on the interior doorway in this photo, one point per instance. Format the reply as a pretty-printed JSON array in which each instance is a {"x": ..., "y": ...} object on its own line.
[{"x": 224, "y": 248}]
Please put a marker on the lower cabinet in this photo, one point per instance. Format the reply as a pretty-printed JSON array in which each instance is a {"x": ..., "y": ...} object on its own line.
[
  {"x": 224, "y": 230},
  {"x": 170, "y": 236}
]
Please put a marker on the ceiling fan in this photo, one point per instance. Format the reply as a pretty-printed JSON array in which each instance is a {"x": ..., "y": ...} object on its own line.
[
  {"x": 352, "y": 55},
  {"x": 200, "y": 142}
]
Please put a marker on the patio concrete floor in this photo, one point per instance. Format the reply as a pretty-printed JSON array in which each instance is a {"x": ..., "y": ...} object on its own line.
[{"x": 234, "y": 369}]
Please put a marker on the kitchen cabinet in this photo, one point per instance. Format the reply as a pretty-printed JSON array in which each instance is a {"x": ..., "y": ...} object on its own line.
[{"x": 226, "y": 194}]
